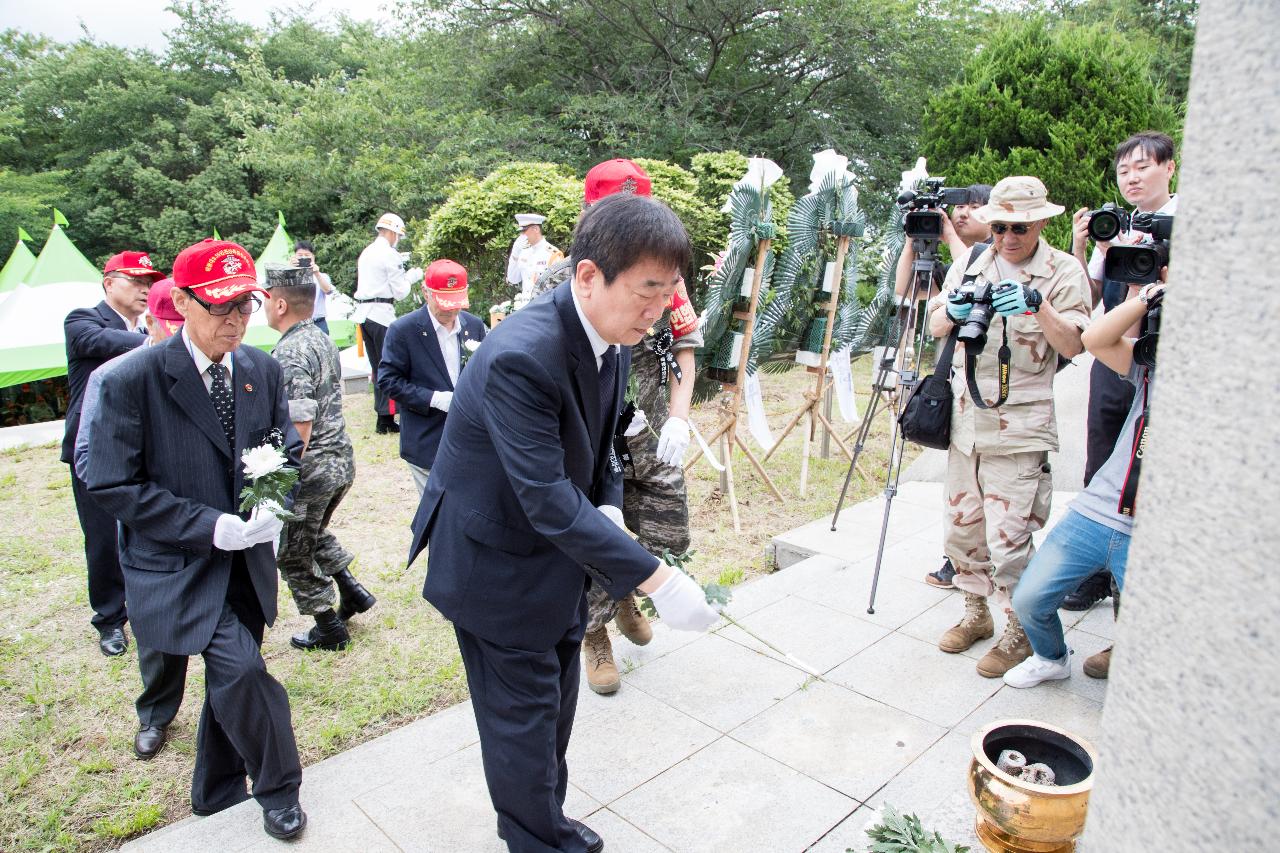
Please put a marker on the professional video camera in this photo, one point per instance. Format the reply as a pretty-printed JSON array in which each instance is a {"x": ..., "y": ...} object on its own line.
[
  {"x": 924, "y": 218},
  {"x": 1144, "y": 348},
  {"x": 1132, "y": 264}
]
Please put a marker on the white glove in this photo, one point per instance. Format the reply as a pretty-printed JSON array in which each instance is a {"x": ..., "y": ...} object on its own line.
[
  {"x": 682, "y": 604},
  {"x": 637, "y": 425},
  {"x": 673, "y": 442},
  {"x": 613, "y": 514},
  {"x": 442, "y": 400},
  {"x": 264, "y": 526},
  {"x": 414, "y": 275},
  {"x": 228, "y": 533}
]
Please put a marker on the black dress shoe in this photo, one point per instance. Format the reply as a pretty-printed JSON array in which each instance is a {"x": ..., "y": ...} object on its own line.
[
  {"x": 1091, "y": 590},
  {"x": 387, "y": 424},
  {"x": 148, "y": 742},
  {"x": 594, "y": 842},
  {"x": 112, "y": 642},
  {"x": 328, "y": 634},
  {"x": 353, "y": 597},
  {"x": 284, "y": 823}
]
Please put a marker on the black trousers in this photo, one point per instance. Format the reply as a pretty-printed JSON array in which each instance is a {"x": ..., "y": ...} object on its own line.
[
  {"x": 164, "y": 680},
  {"x": 102, "y": 556},
  {"x": 244, "y": 726},
  {"x": 524, "y": 703},
  {"x": 1110, "y": 397},
  {"x": 374, "y": 334}
]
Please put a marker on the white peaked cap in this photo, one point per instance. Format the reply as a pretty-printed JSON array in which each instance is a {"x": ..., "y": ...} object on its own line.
[
  {"x": 391, "y": 222},
  {"x": 524, "y": 220}
]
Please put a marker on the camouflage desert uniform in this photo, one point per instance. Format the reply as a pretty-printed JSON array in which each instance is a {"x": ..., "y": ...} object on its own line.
[
  {"x": 655, "y": 504},
  {"x": 998, "y": 486},
  {"x": 310, "y": 555}
]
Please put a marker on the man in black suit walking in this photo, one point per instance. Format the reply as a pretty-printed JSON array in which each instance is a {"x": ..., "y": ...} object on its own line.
[
  {"x": 95, "y": 336},
  {"x": 524, "y": 506},
  {"x": 165, "y": 449},
  {"x": 421, "y": 358}
]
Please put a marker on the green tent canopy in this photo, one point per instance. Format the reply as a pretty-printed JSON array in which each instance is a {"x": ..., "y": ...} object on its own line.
[
  {"x": 19, "y": 264},
  {"x": 60, "y": 260},
  {"x": 279, "y": 249}
]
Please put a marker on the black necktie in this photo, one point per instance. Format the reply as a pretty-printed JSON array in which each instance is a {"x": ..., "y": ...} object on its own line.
[
  {"x": 223, "y": 403},
  {"x": 608, "y": 380}
]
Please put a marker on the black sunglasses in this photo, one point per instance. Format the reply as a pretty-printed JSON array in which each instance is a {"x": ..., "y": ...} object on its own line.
[
  {"x": 1018, "y": 228},
  {"x": 222, "y": 309}
]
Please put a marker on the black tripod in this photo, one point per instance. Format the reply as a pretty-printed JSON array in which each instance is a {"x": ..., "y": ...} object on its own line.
[{"x": 905, "y": 361}]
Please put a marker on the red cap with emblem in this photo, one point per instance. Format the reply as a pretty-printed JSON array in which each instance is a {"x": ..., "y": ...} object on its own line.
[
  {"x": 448, "y": 281},
  {"x": 615, "y": 176},
  {"x": 215, "y": 270},
  {"x": 132, "y": 263}
]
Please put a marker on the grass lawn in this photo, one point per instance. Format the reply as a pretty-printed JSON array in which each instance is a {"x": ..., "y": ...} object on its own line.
[{"x": 68, "y": 777}]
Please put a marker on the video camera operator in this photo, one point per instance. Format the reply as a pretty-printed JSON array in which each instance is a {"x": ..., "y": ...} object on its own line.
[
  {"x": 1094, "y": 535},
  {"x": 960, "y": 231},
  {"x": 998, "y": 485},
  {"x": 1145, "y": 166}
]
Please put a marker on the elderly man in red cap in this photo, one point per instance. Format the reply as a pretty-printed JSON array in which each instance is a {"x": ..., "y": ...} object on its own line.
[
  {"x": 163, "y": 676},
  {"x": 94, "y": 336},
  {"x": 423, "y": 355},
  {"x": 172, "y": 426},
  {"x": 655, "y": 502}
]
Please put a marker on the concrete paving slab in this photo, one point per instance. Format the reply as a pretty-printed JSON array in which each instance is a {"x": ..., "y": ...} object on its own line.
[
  {"x": 728, "y": 798},
  {"x": 915, "y": 677},
  {"x": 857, "y": 534},
  {"x": 717, "y": 681},
  {"x": 1100, "y": 620},
  {"x": 32, "y": 435},
  {"x": 844, "y": 740},
  {"x": 627, "y": 655},
  {"x": 1083, "y": 644},
  {"x": 922, "y": 787},
  {"x": 622, "y": 837},
  {"x": 1074, "y": 713},
  {"x": 816, "y": 636},
  {"x": 632, "y": 739},
  {"x": 850, "y": 833},
  {"x": 898, "y": 600}
]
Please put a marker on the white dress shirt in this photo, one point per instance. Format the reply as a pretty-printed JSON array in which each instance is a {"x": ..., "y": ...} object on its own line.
[
  {"x": 450, "y": 347},
  {"x": 131, "y": 325},
  {"x": 598, "y": 344},
  {"x": 203, "y": 361},
  {"x": 380, "y": 274}
]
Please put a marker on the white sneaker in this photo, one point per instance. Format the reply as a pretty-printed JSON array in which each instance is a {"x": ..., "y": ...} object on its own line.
[{"x": 1035, "y": 670}]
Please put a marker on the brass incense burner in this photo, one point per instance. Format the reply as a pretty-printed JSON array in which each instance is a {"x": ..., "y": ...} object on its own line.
[{"x": 1015, "y": 816}]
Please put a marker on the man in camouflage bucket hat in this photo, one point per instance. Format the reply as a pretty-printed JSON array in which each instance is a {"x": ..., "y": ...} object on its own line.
[
  {"x": 998, "y": 485},
  {"x": 655, "y": 503},
  {"x": 311, "y": 560}
]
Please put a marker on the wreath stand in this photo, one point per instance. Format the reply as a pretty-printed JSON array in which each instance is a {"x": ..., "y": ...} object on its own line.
[{"x": 726, "y": 433}]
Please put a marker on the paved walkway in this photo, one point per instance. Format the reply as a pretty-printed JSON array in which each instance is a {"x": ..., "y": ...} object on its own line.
[{"x": 715, "y": 743}]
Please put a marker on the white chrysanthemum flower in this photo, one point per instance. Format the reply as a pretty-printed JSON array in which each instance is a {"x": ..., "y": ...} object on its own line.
[
  {"x": 260, "y": 461},
  {"x": 471, "y": 345}
]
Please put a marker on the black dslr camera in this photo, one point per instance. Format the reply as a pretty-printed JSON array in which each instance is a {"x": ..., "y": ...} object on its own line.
[
  {"x": 1144, "y": 348},
  {"x": 1132, "y": 264},
  {"x": 924, "y": 218},
  {"x": 973, "y": 334}
]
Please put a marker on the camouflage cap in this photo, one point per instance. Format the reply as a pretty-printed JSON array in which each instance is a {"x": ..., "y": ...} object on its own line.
[{"x": 1019, "y": 199}]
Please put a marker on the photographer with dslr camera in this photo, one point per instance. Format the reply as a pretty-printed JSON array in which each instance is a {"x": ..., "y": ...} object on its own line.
[
  {"x": 960, "y": 232},
  {"x": 1032, "y": 298},
  {"x": 1094, "y": 535},
  {"x": 1145, "y": 166}
]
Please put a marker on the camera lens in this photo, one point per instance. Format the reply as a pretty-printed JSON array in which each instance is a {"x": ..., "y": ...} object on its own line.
[
  {"x": 974, "y": 331},
  {"x": 1105, "y": 226}
]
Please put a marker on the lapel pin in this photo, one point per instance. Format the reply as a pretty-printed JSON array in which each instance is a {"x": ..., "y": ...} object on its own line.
[{"x": 248, "y": 388}]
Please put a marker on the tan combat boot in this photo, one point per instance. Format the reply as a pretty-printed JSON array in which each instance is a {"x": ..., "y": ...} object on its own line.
[
  {"x": 632, "y": 623},
  {"x": 1013, "y": 649},
  {"x": 597, "y": 653},
  {"x": 974, "y": 626},
  {"x": 1099, "y": 665}
]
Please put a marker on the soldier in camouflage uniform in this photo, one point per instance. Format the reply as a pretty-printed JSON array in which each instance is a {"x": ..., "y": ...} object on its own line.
[
  {"x": 311, "y": 560},
  {"x": 998, "y": 485},
  {"x": 655, "y": 503}
]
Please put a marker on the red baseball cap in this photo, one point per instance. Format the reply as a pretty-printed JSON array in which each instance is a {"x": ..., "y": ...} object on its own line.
[
  {"x": 132, "y": 263},
  {"x": 215, "y": 270},
  {"x": 160, "y": 302},
  {"x": 448, "y": 281},
  {"x": 615, "y": 176}
]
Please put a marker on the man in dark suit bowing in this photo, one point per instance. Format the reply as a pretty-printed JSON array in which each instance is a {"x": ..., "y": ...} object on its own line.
[
  {"x": 95, "y": 336},
  {"x": 422, "y": 356},
  {"x": 165, "y": 450},
  {"x": 523, "y": 507}
]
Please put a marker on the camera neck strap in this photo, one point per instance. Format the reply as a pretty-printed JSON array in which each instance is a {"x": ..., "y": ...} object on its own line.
[
  {"x": 1129, "y": 491},
  {"x": 971, "y": 362}
]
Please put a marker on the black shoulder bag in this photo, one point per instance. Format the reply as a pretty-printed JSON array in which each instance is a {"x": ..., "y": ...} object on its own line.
[{"x": 926, "y": 418}]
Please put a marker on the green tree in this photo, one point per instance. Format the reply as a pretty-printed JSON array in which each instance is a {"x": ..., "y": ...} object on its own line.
[{"x": 1049, "y": 101}]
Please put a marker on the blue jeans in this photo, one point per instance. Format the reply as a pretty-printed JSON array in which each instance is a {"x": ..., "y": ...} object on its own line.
[{"x": 1075, "y": 549}]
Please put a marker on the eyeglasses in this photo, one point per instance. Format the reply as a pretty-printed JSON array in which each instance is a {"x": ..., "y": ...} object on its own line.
[
  {"x": 136, "y": 281},
  {"x": 222, "y": 309},
  {"x": 1018, "y": 228}
]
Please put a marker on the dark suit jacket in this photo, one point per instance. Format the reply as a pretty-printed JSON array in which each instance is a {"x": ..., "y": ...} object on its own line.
[
  {"x": 510, "y": 508},
  {"x": 159, "y": 463},
  {"x": 411, "y": 370},
  {"x": 94, "y": 336}
]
